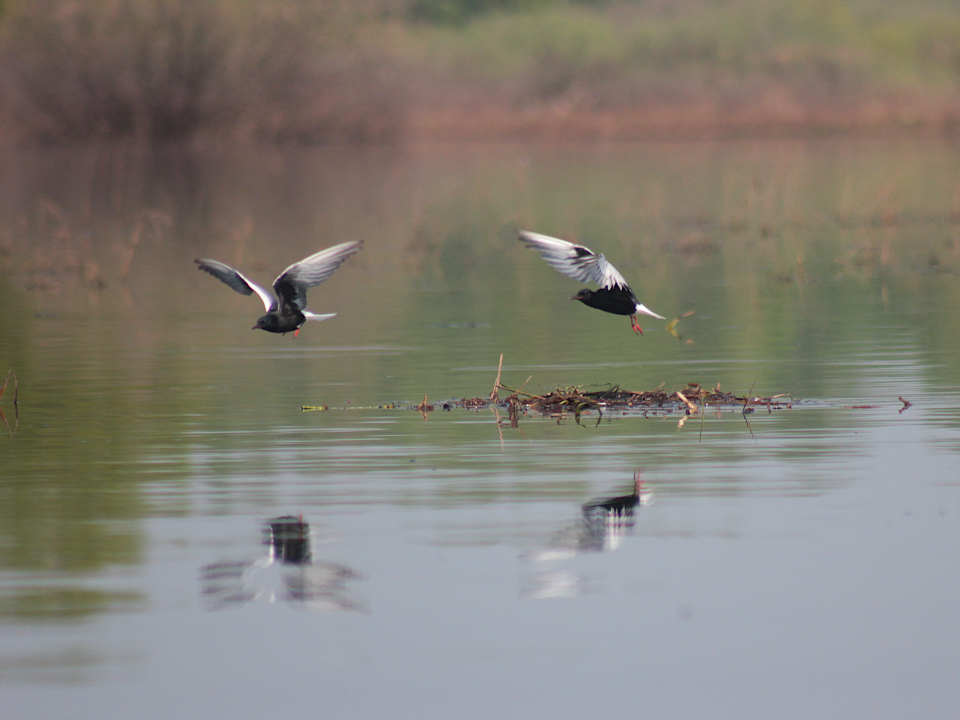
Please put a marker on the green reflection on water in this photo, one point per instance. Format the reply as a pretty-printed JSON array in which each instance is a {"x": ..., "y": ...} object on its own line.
[
  {"x": 824, "y": 270},
  {"x": 63, "y": 604}
]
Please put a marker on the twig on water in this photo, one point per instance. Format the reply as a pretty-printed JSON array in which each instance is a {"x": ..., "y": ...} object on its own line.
[
  {"x": 690, "y": 405},
  {"x": 906, "y": 404},
  {"x": 424, "y": 408},
  {"x": 16, "y": 422},
  {"x": 16, "y": 403},
  {"x": 16, "y": 387},
  {"x": 496, "y": 383},
  {"x": 703, "y": 416},
  {"x": 746, "y": 420},
  {"x": 672, "y": 325},
  {"x": 746, "y": 400},
  {"x": 521, "y": 392},
  {"x": 496, "y": 414}
]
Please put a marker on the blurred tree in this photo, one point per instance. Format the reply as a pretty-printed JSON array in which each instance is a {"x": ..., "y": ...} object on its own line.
[{"x": 457, "y": 12}]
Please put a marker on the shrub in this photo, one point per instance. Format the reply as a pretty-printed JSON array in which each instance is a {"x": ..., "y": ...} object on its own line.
[{"x": 171, "y": 69}]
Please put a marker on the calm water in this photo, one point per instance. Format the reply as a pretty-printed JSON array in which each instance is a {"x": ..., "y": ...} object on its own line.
[{"x": 794, "y": 564}]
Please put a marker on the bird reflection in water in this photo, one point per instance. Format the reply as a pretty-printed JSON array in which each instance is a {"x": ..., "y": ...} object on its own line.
[
  {"x": 285, "y": 572},
  {"x": 603, "y": 524}
]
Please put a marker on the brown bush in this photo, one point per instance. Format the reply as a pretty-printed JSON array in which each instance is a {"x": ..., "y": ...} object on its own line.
[{"x": 168, "y": 70}]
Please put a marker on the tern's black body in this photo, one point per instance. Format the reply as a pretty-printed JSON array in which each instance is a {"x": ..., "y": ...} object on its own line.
[
  {"x": 286, "y": 319},
  {"x": 615, "y": 300},
  {"x": 288, "y": 311}
]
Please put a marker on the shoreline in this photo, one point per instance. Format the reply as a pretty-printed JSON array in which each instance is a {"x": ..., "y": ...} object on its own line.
[{"x": 559, "y": 123}]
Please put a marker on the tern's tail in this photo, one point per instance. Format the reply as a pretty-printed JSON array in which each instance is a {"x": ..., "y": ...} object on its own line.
[
  {"x": 644, "y": 310},
  {"x": 311, "y": 316}
]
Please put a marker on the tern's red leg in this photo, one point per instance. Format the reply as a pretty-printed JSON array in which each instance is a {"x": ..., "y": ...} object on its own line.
[
  {"x": 635, "y": 325},
  {"x": 296, "y": 332}
]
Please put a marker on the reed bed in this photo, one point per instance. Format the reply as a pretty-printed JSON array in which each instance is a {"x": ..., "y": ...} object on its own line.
[{"x": 384, "y": 70}]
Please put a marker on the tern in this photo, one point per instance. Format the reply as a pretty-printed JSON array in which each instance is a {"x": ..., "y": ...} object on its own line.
[
  {"x": 581, "y": 263},
  {"x": 287, "y": 312}
]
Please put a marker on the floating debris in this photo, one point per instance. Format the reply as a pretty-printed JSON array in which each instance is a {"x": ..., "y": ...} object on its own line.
[
  {"x": 672, "y": 325},
  {"x": 690, "y": 400}
]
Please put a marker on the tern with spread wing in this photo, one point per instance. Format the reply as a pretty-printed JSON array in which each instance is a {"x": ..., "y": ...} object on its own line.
[
  {"x": 581, "y": 263},
  {"x": 288, "y": 311}
]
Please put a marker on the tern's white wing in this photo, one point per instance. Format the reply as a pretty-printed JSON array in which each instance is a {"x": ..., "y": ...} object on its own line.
[
  {"x": 236, "y": 280},
  {"x": 575, "y": 261},
  {"x": 291, "y": 285}
]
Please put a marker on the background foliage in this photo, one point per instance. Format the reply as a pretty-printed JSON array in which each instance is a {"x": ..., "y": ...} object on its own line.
[{"x": 305, "y": 70}]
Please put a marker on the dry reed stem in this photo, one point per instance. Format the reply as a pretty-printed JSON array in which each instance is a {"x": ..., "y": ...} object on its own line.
[
  {"x": 496, "y": 383},
  {"x": 746, "y": 400},
  {"x": 693, "y": 407},
  {"x": 16, "y": 387}
]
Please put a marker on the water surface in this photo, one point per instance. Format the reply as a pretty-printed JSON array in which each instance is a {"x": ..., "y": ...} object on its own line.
[{"x": 797, "y": 563}]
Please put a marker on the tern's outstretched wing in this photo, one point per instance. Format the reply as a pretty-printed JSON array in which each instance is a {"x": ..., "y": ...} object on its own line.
[
  {"x": 575, "y": 261},
  {"x": 238, "y": 282},
  {"x": 292, "y": 284}
]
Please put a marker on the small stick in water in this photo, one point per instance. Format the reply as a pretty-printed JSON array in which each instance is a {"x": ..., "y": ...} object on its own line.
[
  {"x": 496, "y": 383},
  {"x": 16, "y": 387}
]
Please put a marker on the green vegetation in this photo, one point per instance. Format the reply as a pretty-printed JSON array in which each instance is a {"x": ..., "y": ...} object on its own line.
[{"x": 302, "y": 70}]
